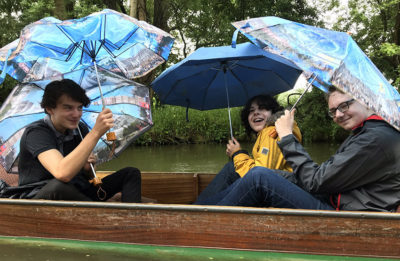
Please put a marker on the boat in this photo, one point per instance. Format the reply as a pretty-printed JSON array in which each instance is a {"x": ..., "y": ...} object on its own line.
[{"x": 174, "y": 221}]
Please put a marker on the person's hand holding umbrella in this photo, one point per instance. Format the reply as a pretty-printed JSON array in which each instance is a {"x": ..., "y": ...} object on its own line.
[
  {"x": 104, "y": 122},
  {"x": 284, "y": 125},
  {"x": 90, "y": 161},
  {"x": 232, "y": 146}
]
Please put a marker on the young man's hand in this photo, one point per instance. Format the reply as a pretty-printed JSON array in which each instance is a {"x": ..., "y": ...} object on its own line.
[
  {"x": 104, "y": 122},
  {"x": 91, "y": 160}
]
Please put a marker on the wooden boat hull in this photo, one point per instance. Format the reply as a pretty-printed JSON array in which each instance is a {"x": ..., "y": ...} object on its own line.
[
  {"x": 282, "y": 230},
  {"x": 174, "y": 222}
]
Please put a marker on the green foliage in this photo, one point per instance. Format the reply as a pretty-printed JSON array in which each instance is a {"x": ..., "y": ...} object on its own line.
[
  {"x": 375, "y": 27},
  {"x": 6, "y": 88},
  {"x": 171, "y": 127},
  {"x": 199, "y": 23}
]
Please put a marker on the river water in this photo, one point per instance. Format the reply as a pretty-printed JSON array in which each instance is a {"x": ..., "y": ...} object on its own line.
[{"x": 192, "y": 157}]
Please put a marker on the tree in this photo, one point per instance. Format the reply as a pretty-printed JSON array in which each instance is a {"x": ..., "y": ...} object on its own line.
[
  {"x": 375, "y": 26},
  {"x": 198, "y": 23}
]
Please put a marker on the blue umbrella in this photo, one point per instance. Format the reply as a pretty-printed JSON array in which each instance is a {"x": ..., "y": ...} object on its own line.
[
  {"x": 129, "y": 101},
  {"x": 332, "y": 57},
  {"x": 112, "y": 40},
  {"x": 224, "y": 77}
]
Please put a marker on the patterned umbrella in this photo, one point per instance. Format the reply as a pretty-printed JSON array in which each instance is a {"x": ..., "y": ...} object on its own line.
[
  {"x": 333, "y": 58},
  {"x": 114, "y": 41}
]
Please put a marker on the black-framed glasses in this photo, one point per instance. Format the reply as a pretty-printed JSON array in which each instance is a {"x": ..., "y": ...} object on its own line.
[{"x": 343, "y": 107}]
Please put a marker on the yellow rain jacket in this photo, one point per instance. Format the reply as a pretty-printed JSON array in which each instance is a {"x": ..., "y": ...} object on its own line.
[{"x": 266, "y": 152}]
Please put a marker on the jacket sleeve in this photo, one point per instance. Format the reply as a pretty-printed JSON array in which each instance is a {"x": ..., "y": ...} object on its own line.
[
  {"x": 353, "y": 165},
  {"x": 243, "y": 163},
  {"x": 266, "y": 153}
]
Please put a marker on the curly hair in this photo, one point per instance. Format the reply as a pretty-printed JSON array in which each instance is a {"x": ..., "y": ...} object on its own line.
[
  {"x": 56, "y": 89},
  {"x": 264, "y": 102}
]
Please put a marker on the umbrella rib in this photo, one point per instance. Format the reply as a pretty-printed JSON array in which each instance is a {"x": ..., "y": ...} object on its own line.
[
  {"x": 241, "y": 84},
  {"x": 177, "y": 82},
  {"x": 75, "y": 44},
  {"x": 64, "y": 52},
  {"x": 264, "y": 70},
  {"x": 62, "y": 30},
  {"x": 115, "y": 46},
  {"x": 208, "y": 86}
]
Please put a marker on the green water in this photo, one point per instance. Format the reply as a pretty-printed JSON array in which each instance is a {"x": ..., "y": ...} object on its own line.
[
  {"x": 26, "y": 249},
  {"x": 192, "y": 157}
]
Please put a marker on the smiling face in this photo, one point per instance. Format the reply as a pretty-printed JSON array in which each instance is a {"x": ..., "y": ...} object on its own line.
[
  {"x": 351, "y": 118},
  {"x": 66, "y": 115},
  {"x": 258, "y": 117}
]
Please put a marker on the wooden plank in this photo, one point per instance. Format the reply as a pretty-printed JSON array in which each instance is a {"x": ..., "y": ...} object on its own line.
[
  {"x": 312, "y": 232},
  {"x": 172, "y": 187}
]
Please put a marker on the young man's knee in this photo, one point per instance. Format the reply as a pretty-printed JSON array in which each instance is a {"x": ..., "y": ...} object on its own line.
[
  {"x": 58, "y": 185},
  {"x": 133, "y": 172}
]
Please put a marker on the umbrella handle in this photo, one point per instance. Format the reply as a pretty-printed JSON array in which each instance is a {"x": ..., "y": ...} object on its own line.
[
  {"x": 96, "y": 181},
  {"x": 111, "y": 136}
]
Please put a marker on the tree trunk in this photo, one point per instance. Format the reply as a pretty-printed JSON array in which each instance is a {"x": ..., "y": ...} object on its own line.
[
  {"x": 59, "y": 10},
  {"x": 133, "y": 9},
  {"x": 141, "y": 10},
  {"x": 161, "y": 14}
]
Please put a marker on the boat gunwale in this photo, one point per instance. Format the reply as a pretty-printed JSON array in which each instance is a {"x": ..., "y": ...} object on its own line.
[{"x": 203, "y": 208}]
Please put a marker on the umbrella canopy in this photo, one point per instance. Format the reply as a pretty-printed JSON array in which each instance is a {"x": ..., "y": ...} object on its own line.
[
  {"x": 129, "y": 101},
  {"x": 114, "y": 41},
  {"x": 221, "y": 77},
  {"x": 333, "y": 57}
]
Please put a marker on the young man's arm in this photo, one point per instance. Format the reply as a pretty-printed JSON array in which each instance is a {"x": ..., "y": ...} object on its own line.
[{"x": 65, "y": 168}]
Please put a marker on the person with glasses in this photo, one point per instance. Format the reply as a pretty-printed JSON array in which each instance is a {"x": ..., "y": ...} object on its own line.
[{"x": 363, "y": 175}]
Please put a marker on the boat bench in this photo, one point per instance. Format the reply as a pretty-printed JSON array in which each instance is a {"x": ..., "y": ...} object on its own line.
[
  {"x": 168, "y": 188},
  {"x": 172, "y": 187}
]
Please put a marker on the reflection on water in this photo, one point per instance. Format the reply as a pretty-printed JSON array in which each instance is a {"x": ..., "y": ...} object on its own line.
[{"x": 192, "y": 157}]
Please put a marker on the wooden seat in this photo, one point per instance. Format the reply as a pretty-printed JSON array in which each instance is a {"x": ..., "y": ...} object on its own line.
[
  {"x": 160, "y": 187},
  {"x": 172, "y": 188}
]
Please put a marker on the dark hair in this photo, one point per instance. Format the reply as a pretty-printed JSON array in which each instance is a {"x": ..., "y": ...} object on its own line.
[
  {"x": 263, "y": 101},
  {"x": 331, "y": 90},
  {"x": 56, "y": 89}
]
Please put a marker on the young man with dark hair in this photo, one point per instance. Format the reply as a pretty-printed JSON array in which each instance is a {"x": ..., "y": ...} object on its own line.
[
  {"x": 364, "y": 173},
  {"x": 54, "y": 159}
]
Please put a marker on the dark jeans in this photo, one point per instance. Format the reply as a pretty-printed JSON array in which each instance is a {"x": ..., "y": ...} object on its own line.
[
  {"x": 127, "y": 180},
  {"x": 222, "y": 180},
  {"x": 262, "y": 187}
]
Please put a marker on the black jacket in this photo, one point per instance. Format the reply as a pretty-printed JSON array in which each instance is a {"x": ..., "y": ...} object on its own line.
[{"x": 365, "y": 170}]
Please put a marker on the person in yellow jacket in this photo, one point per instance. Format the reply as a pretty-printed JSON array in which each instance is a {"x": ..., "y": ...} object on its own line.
[{"x": 258, "y": 116}]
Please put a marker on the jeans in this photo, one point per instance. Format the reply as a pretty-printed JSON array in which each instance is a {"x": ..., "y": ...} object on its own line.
[
  {"x": 222, "y": 180},
  {"x": 262, "y": 187}
]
